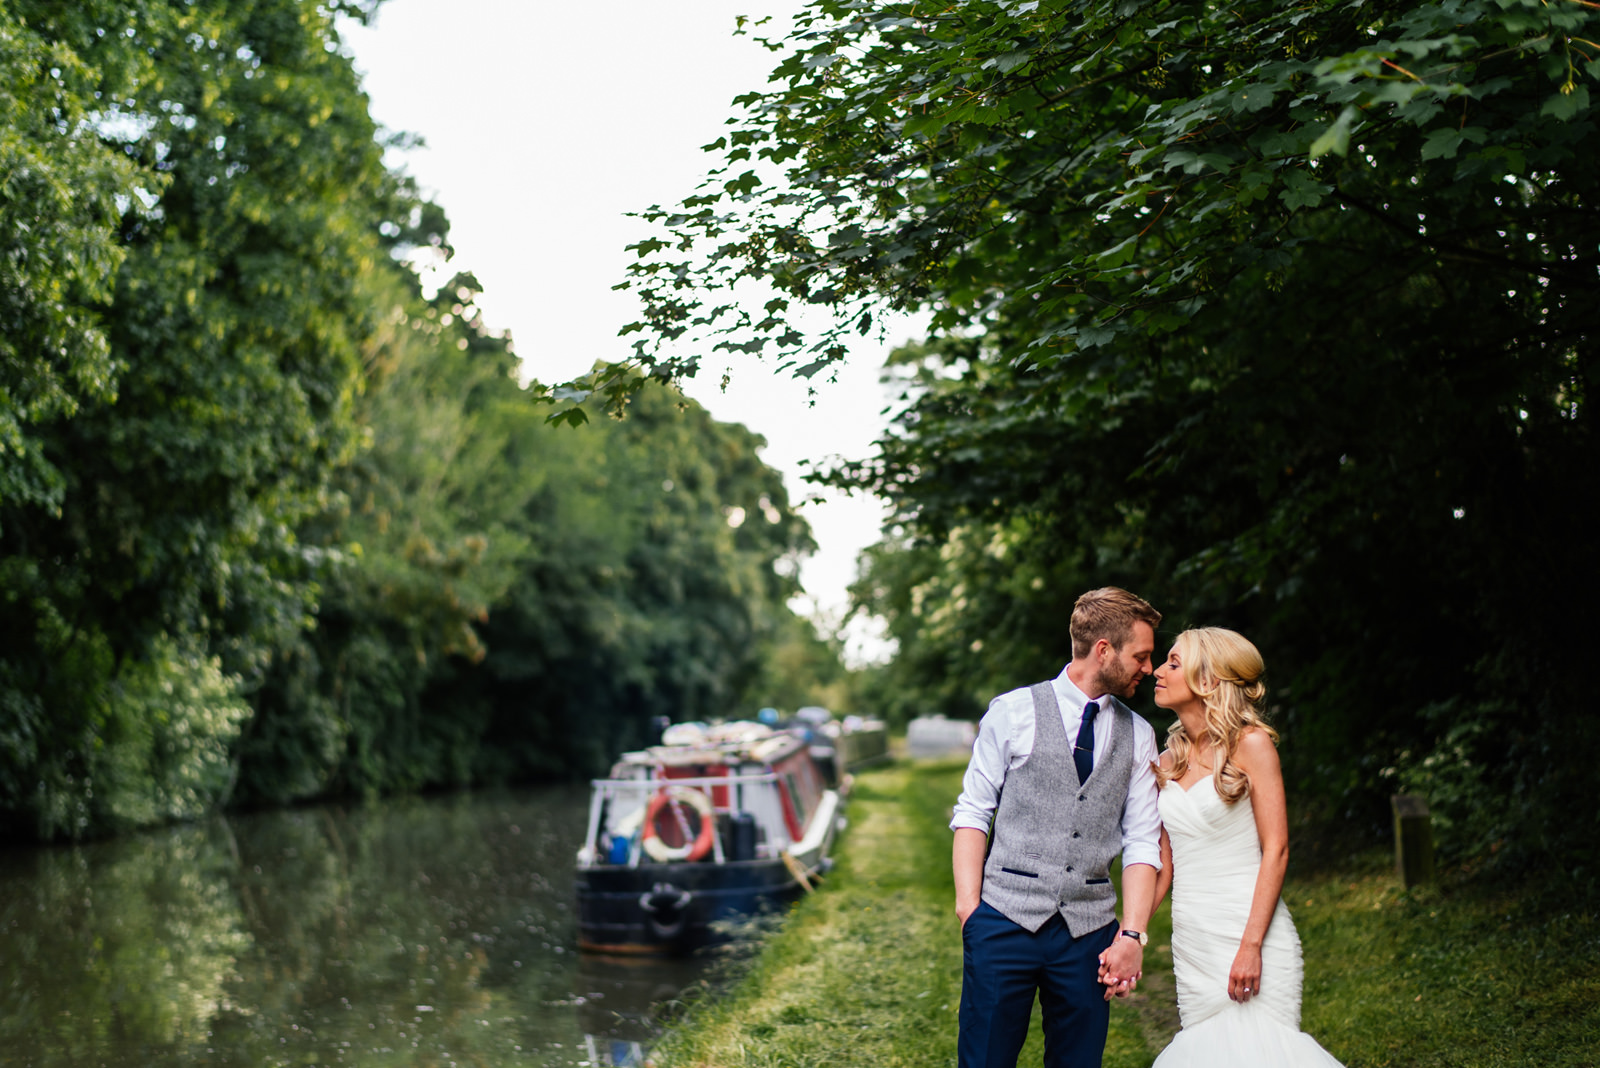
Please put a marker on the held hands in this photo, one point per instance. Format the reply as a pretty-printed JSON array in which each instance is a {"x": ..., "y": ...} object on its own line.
[
  {"x": 1121, "y": 967},
  {"x": 1244, "y": 979}
]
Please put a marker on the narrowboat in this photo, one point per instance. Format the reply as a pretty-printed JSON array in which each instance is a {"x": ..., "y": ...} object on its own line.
[
  {"x": 858, "y": 741},
  {"x": 840, "y": 747},
  {"x": 713, "y": 824}
]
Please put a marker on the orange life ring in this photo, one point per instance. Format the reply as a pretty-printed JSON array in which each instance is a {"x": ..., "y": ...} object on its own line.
[{"x": 659, "y": 804}]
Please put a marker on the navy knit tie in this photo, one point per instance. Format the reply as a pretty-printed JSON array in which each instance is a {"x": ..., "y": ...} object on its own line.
[{"x": 1083, "y": 751}]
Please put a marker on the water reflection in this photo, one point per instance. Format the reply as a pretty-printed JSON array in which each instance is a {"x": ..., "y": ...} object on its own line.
[{"x": 429, "y": 932}]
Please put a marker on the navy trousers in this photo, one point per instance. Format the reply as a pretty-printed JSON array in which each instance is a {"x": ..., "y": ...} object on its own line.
[{"x": 1003, "y": 965}]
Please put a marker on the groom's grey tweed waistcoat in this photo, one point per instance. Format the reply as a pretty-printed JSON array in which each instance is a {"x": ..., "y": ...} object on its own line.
[{"x": 1053, "y": 840}]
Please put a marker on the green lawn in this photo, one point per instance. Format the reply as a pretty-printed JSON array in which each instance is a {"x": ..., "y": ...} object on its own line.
[
  {"x": 1466, "y": 977},
  {"x": 867, "y": 971}
]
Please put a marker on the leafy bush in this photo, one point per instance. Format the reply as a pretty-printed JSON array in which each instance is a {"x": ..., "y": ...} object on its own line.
[{"x": 172, "y": 720}]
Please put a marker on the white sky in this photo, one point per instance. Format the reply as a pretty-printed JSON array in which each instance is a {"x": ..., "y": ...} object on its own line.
[{"x": 545, "y": 123}]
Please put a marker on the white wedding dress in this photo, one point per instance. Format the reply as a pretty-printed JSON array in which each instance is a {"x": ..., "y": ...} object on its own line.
[{"x": 1216, "y": 854}]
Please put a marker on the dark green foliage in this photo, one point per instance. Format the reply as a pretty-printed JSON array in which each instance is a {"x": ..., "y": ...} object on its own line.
[
  {"x": 507, "y": 599},
  {"x": 639, "y": 597},
  {"x": 214, "y": 362},
  {"x": 1280, "y": 315},
  {"x": 262, "y": 502},
  {"x": 59, "y": 194}
]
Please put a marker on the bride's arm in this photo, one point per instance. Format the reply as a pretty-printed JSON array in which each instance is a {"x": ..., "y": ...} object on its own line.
[
  {"x": 1164, "y": 876},
  {"x": 1257, "y": 757}
]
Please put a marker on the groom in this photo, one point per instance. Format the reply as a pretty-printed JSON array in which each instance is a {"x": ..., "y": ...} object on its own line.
[{"x": 1060, "y": 782}]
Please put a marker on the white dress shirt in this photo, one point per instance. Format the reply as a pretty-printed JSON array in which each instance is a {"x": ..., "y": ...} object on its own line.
[{"x": 1005, "y": 741}]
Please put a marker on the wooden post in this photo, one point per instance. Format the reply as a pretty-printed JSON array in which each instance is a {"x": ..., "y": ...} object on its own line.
[{"x": 1413, "y": 840}]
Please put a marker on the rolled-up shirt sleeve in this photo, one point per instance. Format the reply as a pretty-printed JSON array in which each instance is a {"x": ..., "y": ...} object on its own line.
[
  {"x": 986, "y": 771},
  {"x": 1141, "y": 817}
]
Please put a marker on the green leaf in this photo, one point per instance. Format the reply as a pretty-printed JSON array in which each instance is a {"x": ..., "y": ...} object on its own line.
[
  {"x": 1443, "y": 144},
  {"x": 1302, "y": 191},
  {"x": 568, "y": 416},
  {"x": 1092, "y": 337},
  {"x": 1118, "y": 254},
  {"x": 1180, "y": 157},
  {"x": 927, "y": 125},
  {"x": 1565, "y": 107},
  {"x": 1336, "y": 138},
  {"x": 1256, "y": 97},
  {"x": 1007, "y": 62}
]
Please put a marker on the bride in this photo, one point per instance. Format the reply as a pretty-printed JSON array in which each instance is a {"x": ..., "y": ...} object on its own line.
[{"x": 1224, "y": 850}]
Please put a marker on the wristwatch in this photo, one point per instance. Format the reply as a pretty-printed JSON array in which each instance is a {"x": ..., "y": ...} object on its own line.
[{"x": 1138, "y": 936}]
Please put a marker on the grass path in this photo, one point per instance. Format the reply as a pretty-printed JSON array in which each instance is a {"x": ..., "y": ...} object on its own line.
[{"x": 867, "y": 971}]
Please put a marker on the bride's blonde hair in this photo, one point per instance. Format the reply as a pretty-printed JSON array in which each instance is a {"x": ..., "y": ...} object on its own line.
[{"x": 1224, "y": 670}]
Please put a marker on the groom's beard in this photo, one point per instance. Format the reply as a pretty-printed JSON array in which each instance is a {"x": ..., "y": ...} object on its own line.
[{"x": 1116, "y": 680}]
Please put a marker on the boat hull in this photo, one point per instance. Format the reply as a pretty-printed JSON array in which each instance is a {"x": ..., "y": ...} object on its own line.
[{"x": 674, "y": 908}]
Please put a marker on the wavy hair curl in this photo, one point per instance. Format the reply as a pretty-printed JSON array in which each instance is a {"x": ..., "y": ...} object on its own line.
[{"x": 1224, "y": 670}]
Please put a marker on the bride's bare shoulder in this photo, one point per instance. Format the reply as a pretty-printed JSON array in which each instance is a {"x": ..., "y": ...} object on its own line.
[{"x": 1256, "y": 747}]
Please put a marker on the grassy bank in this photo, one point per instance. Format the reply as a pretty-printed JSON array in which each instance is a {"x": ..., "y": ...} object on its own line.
[{"x": 868, "y": 970}]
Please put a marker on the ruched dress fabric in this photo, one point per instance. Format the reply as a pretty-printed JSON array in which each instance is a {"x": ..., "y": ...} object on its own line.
[{"x": 1216, "y": 855}]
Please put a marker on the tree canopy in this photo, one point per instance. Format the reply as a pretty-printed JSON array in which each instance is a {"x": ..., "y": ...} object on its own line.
[
  {"x": 217, "y": 191},
  {"x": 1277, "y": 314},
  {"x": 1106, "y": 170},
  {"x": 276, "y": 524}
]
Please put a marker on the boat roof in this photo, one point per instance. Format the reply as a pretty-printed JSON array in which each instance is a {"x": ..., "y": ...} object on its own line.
[{"x": 716, "y": 745}]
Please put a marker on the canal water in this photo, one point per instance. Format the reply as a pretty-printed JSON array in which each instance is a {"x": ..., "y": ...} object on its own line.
[{"x": 436, "y": 932}]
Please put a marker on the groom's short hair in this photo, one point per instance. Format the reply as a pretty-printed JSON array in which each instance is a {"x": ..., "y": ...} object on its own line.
[{"x": 1108, "y": 613}]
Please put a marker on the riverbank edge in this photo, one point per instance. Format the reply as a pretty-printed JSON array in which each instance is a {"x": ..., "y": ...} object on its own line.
[{"x": 867, "y": 971}]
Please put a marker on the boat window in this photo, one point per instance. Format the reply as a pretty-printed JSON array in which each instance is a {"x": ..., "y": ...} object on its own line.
[{"x": 801, "y": 801}]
